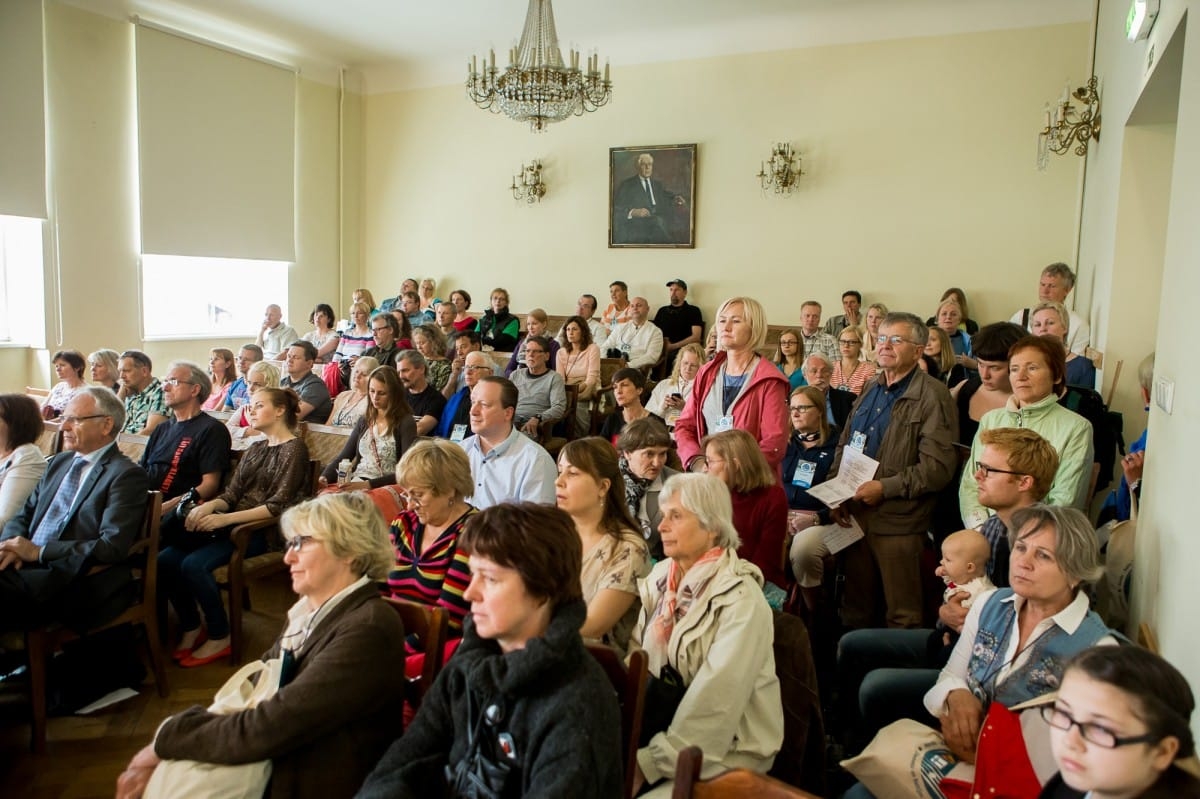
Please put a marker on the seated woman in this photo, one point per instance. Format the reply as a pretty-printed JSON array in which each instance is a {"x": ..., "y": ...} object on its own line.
[
  {"x": 222, "y": 372},
  {"x": 810, "y": 452},
  {"x": 324, "y": 336},
  {"x": 522, "y": 654},
  {"x": 590, "y": 489},
  {"x": 404, "y": 330},
  {"x": 22, "y": 463},
  {"x": 1052, "y": 320},
  {"x": 105, "y": 365},
  {"x": 965, "y": 322},
  {"x": 339, "y": 700},
  {"x": 427, "y": 291},
  {"x": 760, "y": 507},
  {"x": 1120, "y": 726},
  {"x": 68, "y": 366},
  {"x": 644, "y": 447},
  {"x": 1037, "y": 373},
  {"x": 429, "y": 565},
  {"x": 850, "y": 371},
  {"x": 627, "y": 387},
  {"x": 790, "y": 358},
  {"x": 430, "y": 342},
  {"x": 670, "y": 395},
  {"x": 378, "y": 440},
  {"x": 876, "y": 311},
  {"x": 536, "y": 324},
  {"x": 498, "y": 329},
  {"x": 578, "y": 361},
  {"x": 461, "y": 301},
  {"x": 1014, "y": 644},
  {"x": 365, "y": 296},
  {"x": 270, "y": 476},
  {"x": 260, "y": 375},
  {"x": 350, "y": 405},
  {"x": 357, "y": 338},
  {"x": 938, "y": 350},
  {"x": 704, "y": 616}
]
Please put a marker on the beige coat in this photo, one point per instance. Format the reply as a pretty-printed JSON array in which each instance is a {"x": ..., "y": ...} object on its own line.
[{"x": 723, "y": 649}]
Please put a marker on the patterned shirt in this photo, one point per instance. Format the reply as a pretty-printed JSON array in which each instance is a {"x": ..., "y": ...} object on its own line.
[
  {"x": 438, "y": 576},
  {"x": 138, "y": 407}
]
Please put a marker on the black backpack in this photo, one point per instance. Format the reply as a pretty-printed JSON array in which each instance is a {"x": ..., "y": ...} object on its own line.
[{"x": 1108, "y": 438}]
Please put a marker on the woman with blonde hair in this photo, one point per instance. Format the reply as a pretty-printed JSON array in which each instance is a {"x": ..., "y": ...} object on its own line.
[
  {"x": 357, "y": 338},
  {"x": 760, "y": 506},
  {"x": 537, "y": 323},
  {"x": 738, "y": 388},
  {"x": 939, "y": 353},
  {"x": 350, "y": 405},
  {"x": 591, "y": 490},
  {"x": 259, "y": 376},
  {"x": 222, "y": 371},
  {"x": 365, "y": 296},
  {"x": 669, "y": 396},
  {"x": 426, "y": 293},
  {"x": 850, "y": 371},
  {"x": 876, "y": 311},
  {"x": 1051, "y": 319},
  {"x": 104, "y": 366}
]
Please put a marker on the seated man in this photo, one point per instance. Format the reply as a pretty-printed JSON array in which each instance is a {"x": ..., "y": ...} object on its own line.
[
  {"x": 315, "y": 403},
  {"x": 426, "y": 401},
  {"x": 386, "y": 330},
  {"x": 644, "y": 446},
  {"x": 505, "y": 465},
  {"x": 191, "y": 449},
  {"x": 85, "y": 511},
  {"x": 638, "y": 341},
  {"x": 455, "y": 422},
  {"x": 851, "y": 303},
  {"x": 627, "y": 387},
  {"x": 1054, "y": 284},
  {"x": 275, "y": 335},
  {"x": 542, "y": 394},
  {"x": 817, "y": 373},
  {"x": 239, "y": 392},
  {"x": 144, "y": 405},
  {"x": 410, "y": 305},
  {"x": 585, "y": 309},
  {"x": 463, "y": 342}
]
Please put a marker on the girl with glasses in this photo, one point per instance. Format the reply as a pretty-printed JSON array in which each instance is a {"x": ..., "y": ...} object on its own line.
[{"x": 850, "y": 371}]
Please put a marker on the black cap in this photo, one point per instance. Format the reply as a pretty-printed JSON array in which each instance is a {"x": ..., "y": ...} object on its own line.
[{"x": 677, "y": 282}]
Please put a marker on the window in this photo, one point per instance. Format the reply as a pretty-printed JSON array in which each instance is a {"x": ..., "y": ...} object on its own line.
[
  {"x": 186, "y": 297},
  {"x": 22, "y": 305}
]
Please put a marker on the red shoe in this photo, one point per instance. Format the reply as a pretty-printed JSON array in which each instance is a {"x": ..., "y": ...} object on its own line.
[
  {"x": 191, "y": 662},
  {"x": 183, "y": 653}
]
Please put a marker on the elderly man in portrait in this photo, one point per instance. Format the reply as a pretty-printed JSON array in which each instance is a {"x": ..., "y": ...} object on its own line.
[
  {"x": 275, "y": 334},
  {"x": 239, "y": 392},
  {"x": 315, "y": 402},
  {"x": 838, "y": 402},
  {"x": 907, "y": 421},
  {"x": 638, "y": 341},
  {"x": 542, "y": 395},
  {"x": 85, "y": 511},
  {"x": 506, "y": 465},
  {"x": 1054, "y": 284},
  {"x": 145, "y": 407},
  {"x": 640, "y": 207}
]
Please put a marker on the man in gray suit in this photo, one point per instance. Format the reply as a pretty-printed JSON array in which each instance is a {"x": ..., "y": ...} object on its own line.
[
  {"x": 86, "y": 511},
  {"x": 644, "y": 446}
]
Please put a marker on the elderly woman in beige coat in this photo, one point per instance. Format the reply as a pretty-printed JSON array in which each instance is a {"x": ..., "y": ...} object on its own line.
[{"x": 704, "y": 614}]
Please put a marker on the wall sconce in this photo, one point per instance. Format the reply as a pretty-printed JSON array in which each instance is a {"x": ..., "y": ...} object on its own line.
[
  {"x": 1065, "y": 124},
  {"x": 528, "y": 184},
  {"x": 781, "y": 171}
]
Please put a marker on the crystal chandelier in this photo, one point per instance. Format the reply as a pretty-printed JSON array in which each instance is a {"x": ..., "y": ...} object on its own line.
[
  {"x": 1066, "y": 126},
  {"x": 536, "y": 86},
  {"x": 781, "y": 171}
]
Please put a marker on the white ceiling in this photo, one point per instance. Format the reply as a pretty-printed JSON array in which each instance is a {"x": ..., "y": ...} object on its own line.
[{"x": 400, "y": 44}]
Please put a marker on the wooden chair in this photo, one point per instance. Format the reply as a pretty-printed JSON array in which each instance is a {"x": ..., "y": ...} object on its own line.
[
  {"x": 39, "y": 395},
  {"x": 50, "y": 441},
  {"x": 554, "y": 443},
  {"x": 324, "y": 441},
  {"x": 602, "y": 401},
  {"x": 234, "y": 576},
  {"x": 42, "y": 643},
  {"x": 733, "y": 784},
  {"x": 431, "y": 625},
  {"x": 629, "y": 681},
  {"x": 132, "y": 444}
]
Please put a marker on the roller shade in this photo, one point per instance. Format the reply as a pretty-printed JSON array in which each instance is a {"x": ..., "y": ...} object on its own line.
[{"x": 23, "y": 107}]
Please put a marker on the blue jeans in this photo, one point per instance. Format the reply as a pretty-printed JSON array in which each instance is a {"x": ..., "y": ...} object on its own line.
[
  {"x": 185, "y": 577},
  {"x": 888, "y": 672}
]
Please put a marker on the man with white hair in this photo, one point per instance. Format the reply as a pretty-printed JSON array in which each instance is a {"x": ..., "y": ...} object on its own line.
[
  {"x": 838, "y": 402},
  {"x": 275, "y": 334},
  {"x": 638, "y": 341},
  {"x": 1054, "y": 284}
]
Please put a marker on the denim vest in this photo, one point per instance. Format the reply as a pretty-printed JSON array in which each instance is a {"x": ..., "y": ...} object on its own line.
[{"x": 1042, "y": 669}]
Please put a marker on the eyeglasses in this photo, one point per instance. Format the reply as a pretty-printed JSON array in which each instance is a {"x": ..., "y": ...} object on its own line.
[
  {"x": 988, "y": 471},
  {"x": 800, "y": 408},
  {"x": 846, "y": 342},
  {"x": 74, "y": 420},
  {"x": 380, "y": 329},
  {"x": 296, "y": 544},
  {"x": 1092, "y": 733},
  {"x": 175, "y": 381},
  {"x": 893, "y": 340},
  {"x": 534, "y": 351},
  {"x": 476, "y": 367}
]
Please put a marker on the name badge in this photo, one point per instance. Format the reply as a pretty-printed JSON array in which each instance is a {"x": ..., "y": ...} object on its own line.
[
  {"x": 458, "y": 433},
  {"x": 625, "y": 347},
  {"x": 724, "y": 423},
  {"x": 804, "y": 474},
  {"x": 858, "y": 441}
]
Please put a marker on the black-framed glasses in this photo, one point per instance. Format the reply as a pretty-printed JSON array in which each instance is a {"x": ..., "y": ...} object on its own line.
[
  {"x": 800, "y": 408},
  {"x": 1092, "y": 733},
  {"x": 74, "y": 420},
  {"x": 988, "y": 471},
  {"x": 297, "y": 543},
  {"x": 846, "y": 342}
]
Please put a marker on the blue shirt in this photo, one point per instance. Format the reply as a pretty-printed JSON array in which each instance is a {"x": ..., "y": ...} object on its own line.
[{"x": 874, "y": 413}]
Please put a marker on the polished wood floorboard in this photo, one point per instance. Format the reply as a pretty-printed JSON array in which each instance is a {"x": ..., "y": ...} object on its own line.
[{"x": 84, "y": 754}]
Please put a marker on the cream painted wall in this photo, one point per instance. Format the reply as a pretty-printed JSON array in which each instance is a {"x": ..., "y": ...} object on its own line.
[
  {"x": 919, "y": 156},
  {"x": 92, "y": 273}
]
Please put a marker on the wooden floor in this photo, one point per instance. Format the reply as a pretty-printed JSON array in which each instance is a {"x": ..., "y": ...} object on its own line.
[{"x": 84, "y": 754}]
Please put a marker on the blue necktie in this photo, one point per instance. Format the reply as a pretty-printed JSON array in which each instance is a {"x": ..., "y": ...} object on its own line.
[{"x": 60, "y": 507}]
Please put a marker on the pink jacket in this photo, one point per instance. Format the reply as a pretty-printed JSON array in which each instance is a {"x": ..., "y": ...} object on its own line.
[{"x": 762, "y": 411}]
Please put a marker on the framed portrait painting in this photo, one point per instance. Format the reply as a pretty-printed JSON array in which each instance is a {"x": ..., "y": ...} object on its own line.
[{"x": 652, "y": 196}]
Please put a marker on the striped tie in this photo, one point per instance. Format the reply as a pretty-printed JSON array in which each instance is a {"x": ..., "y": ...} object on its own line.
[{"x": 60, "y": 507}]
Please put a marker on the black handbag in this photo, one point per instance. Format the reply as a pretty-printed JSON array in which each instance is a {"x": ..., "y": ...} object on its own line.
[
  {"x": 488, "y": 769},
  {"x": 663, "y": 695}
]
